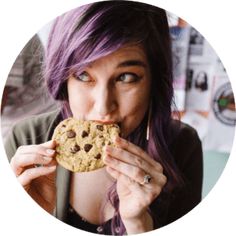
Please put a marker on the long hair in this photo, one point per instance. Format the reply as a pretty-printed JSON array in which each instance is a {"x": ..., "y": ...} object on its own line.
[{"x": 89, "y": 32}]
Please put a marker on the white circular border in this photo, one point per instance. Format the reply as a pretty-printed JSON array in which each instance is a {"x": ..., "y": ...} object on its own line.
[{"x": 19, "y": 20}]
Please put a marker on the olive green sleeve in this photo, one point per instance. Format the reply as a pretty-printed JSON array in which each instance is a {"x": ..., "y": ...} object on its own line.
[
  {"x": 11, "y": 145},
  {"x": 34, "y": 130}
]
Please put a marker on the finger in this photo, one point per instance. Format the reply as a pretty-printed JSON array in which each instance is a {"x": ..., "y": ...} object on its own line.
[
  {"x": 28, "y": 175},
  {"x": 18, "y": 163},
  {"x": 48, "y": 148},
  {"x": 161, "y": 180},
  {"x": 119, "y": 176},
  {"x": 51, "y": 144},
  {"x": 137, "y": 151},
  {"x": 115, "y": 174},
  {"x": 133, "y": 172},
  {"x": 40, "y": 149},
  {"x": 31, "y": 159},
  {"x": 52, "y": 163},
  {"x": 130, "y": 158},
  {"x": 149, "y": 193},
  {"x": 38, "y": 154}
]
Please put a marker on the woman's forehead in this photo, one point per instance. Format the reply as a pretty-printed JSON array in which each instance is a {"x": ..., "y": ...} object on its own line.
[{"x": 124, "y": 56}]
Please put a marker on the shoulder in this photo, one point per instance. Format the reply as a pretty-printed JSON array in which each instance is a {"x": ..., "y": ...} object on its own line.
[
  {"x": 33, "y": 130},
  {"x": 40, "y": 122},
  {"x": 185, "y": 144},
  {"x": 180, "y": 131}
]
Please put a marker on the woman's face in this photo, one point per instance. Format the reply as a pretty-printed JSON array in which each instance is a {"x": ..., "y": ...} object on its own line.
[{"x": 113, "y": 89}]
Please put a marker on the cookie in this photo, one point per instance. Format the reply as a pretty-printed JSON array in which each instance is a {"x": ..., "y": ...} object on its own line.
[{"x": 80, "y": 143}]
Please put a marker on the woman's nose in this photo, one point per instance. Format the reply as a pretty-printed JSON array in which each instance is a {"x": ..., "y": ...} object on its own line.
[{"x": 105, "y": 101}]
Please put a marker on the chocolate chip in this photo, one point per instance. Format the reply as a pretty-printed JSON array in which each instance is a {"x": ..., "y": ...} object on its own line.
[
  {"x": 84, "y": 134},
  {"x": 87, "y": 147},
  {"x": 100, "y": 127},
  {"x": 63, "y": 125},
  {"x": 75, "y": 149},
  {"x": 100, "y": 136},
  {"x": 98, "y": 156},
  {"x": 70, "y": 134}
]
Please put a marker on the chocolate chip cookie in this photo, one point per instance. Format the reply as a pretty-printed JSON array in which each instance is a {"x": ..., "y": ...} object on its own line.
[{"x": 80, "y": 143}]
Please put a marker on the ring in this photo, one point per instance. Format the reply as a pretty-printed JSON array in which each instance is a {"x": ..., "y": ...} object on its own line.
[{"x": 146, "y": 179}]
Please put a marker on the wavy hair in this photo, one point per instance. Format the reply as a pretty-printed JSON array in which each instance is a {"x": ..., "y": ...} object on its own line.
[{"x": 92, "y": 31}]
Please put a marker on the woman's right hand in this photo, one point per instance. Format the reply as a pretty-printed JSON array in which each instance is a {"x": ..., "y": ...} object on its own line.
[{"x": 34, "y": 167}]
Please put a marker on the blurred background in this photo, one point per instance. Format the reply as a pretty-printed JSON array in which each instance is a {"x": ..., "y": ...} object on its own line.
[{"x": 203, "y": 95}]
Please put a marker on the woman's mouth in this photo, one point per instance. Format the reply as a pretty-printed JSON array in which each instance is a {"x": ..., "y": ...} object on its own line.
[{"x": 108, "y": 122}]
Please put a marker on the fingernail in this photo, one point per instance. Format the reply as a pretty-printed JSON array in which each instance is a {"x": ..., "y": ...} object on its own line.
[
  {"x": 108, "y": 148},
  {"x": 117, "y": 139},
  {"x": 50, "y": 151}
]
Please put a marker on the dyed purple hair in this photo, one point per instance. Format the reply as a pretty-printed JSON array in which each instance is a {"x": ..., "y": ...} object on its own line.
[{"x": 92, "y": 31}]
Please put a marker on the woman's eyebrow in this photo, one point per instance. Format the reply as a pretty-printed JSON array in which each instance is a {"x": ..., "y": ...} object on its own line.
[{"x": 132, "y": 63}]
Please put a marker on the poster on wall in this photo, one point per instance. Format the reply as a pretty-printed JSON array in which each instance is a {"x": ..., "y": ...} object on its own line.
[
  {"x": 199, "y": 48},
  {"x": 200, "y": 73},
  {"x": 222, "y": 117},
  {"x": 199, "y": 84},
  {"x": 180, "y": 43}
]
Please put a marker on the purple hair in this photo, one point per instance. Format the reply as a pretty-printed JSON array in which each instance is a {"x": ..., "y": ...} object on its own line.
[{"x": 92, "y": 31}]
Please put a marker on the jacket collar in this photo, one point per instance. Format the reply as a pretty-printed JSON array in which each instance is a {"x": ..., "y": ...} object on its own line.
[{"x": 63, "y": 192}]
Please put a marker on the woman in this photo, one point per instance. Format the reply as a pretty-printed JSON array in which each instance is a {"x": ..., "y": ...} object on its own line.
[{"x": 111, "y": 61}]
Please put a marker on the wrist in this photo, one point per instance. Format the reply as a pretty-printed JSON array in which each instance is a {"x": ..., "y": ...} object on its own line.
[{"x": 141, "y": 224}]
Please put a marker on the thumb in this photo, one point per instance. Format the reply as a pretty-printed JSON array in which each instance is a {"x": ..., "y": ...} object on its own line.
[{"x": 49, "y": 144}]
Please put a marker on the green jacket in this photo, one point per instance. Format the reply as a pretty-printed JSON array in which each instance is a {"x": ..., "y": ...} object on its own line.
[
  {"x": 37, "y": 130},
  {"x": 185, "y": 148}
]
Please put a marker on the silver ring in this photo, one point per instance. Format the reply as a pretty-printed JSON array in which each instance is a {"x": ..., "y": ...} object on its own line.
[{"x": 146, "y": 179}]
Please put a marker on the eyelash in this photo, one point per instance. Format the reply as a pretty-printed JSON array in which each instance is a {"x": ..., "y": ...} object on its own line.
[
  {"x": 82, "y": 74},
  {"x": 134, "y": 79}
]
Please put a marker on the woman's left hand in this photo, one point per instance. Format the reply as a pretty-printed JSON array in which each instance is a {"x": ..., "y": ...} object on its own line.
[{"x": 128, "y": 164}]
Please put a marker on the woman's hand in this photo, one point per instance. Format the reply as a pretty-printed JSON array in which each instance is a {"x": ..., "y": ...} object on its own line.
[
  {"x": 34, "y": 167},
  {"x": 128, "y": 164}
]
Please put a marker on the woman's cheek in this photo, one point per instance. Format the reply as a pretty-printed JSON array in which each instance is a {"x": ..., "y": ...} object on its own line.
[
  {"x": 79, "y": 106},
  {"x": 133, "y": 118}
]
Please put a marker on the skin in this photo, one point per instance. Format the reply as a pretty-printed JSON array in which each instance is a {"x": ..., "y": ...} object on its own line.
[
  {"x": 38, "y": 182},
  {"x": 102, "y": 90},
  {"x": 113, "y": 89},
  {"x": 101, "y": 93}
]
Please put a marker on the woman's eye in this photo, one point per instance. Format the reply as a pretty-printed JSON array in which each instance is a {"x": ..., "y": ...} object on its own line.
[
  {"x": 84, "y": 77},
  {"x": 128, "y": 78}
]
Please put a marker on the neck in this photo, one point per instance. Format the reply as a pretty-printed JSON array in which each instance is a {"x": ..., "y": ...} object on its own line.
[{"x": 88, "y": 195}]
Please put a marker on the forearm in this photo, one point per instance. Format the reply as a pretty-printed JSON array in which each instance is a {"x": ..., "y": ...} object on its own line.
[{"x": 139, "y": 225}]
